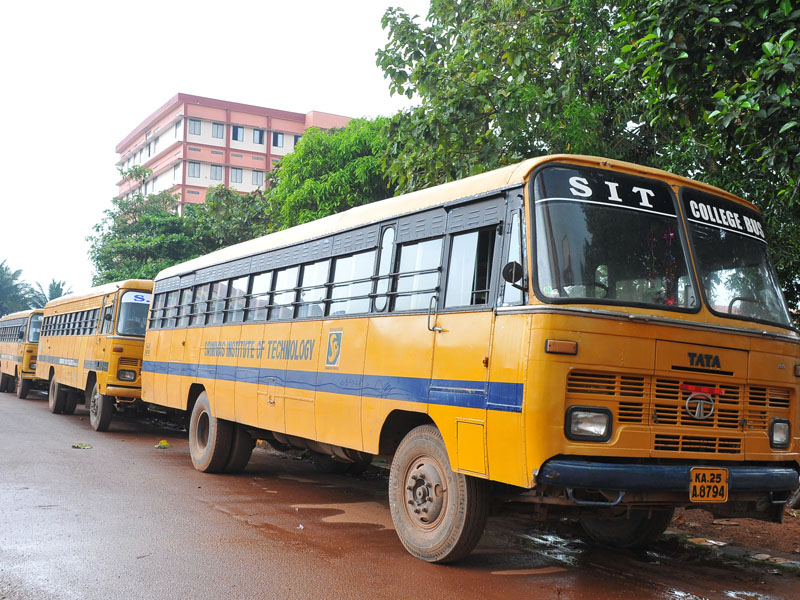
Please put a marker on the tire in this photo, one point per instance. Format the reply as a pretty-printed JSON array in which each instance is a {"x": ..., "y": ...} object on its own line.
[
  {"x": 209, "y": 437},
  {"x": 101, "y": 407},
  {"x": 4, "y": 382},
  {"x": 242, "y": 446},
  {"x": 72, "y": 402},
  {"x": 56, "y": 397},
  {"x": 23, "y": 387},
  {"x": 439, "y": 515},
  {"x": 637, "y": 531}
]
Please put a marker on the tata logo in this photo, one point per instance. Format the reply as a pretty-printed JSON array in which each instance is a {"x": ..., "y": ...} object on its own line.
[
  {"x": 709, "y": 361},
  {"x": 700, "y": 406},
  {"x": 334, "y": 349}
]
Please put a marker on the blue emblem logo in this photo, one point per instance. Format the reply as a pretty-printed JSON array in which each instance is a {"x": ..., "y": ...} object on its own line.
[{"x": 334, "y": 349}]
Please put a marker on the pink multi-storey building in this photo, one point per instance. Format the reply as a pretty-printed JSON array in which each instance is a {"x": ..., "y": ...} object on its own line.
[{"x": 192, "y": 143}]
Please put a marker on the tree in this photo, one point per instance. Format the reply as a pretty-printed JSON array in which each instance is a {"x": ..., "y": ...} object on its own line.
[
  {"x": 229, "y": 217},
  {"x": 14, "y": 293},
  {"x": 328, "y": 172},
  {"x": 140, "y": 236},
  {"x": 55, "y": 289},
  {"x": 501, "y": 81},
  {"x": 726, "y": 70}
]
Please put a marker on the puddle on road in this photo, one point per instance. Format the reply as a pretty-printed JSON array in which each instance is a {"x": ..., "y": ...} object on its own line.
[{"x": 359, "y": 513}]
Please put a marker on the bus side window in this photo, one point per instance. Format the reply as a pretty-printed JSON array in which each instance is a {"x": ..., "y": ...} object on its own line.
[
  {"x": 470, "y": 267},
  {"x": 108, "y": 318},
  {"x": 418, "y": 274},
  {"x": 284, "y": 294},
  {"x": 258, "y": 301},
  {"x": 516, "y": 253},
  {"x": 216, "y": 308},
  {"x": 314, "y": 290},
  {"x": 238, "y": 295},
  {"x": 185, "y": 307},
  {"x": 384, "y": 270},
  {"x": 200, "y": 304}
]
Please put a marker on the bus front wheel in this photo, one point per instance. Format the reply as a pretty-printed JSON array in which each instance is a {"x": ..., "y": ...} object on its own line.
[
  {"x": 640, "y": 529},
  {"x": 56, "y": 397},
  {"x": 23, "y": 387},
  {"x": 209, "y": 437},
  {"x": 439, "y": 515},
  {"x": 101, "y": 408}
]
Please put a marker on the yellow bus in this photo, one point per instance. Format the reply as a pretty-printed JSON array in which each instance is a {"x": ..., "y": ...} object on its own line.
[
  {"x": 573, "y": 335},
  {"x": 90, "y": 350},
  {"x": 19, "y": 342}
]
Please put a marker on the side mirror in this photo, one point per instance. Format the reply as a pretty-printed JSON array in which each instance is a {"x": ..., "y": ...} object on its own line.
[
  {"x": 513, "y": 272},
  {"x": 21, "y": 335},
  {"x": 108, "y": 316}
]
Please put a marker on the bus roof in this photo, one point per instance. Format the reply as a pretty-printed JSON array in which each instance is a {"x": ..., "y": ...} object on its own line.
[
  {"x": 101, "y": 290},
  {"x": 476, "y": 185},
  {"x": 21, "y": 313}
]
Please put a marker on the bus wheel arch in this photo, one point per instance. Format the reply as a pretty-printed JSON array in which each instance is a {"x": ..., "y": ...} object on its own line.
[
  {"x": 91, "y": 380},
  {"x": 194, "y": 393},
  {"x": 439, "y": 515},
  {"x": 396, "y": 426}
]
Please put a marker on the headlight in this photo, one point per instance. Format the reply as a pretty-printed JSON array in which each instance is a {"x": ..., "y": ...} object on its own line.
[
  {"x": 780, "y": 433},
  {"x": 32, "y": 364},
  {"x": 588, "y": 423},
  {"x": 126, "y": 375}
]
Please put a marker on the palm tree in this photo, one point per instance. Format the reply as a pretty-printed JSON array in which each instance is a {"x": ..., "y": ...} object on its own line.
[
  {"x": 56, "y": 289},
  {"x": 14, "y": 294}
]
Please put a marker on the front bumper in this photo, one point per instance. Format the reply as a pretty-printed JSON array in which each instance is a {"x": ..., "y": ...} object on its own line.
[{"x": 629, "y": 478}]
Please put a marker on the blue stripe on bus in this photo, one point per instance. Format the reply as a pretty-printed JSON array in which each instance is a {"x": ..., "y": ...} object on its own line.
[{"x": 493, "y": 395}]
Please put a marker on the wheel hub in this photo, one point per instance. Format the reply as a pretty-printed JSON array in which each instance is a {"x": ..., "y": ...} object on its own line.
[{"x": 425, "y": 493}]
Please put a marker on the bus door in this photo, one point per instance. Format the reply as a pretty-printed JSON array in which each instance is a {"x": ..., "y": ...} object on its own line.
[
  {"x": 102, "y": 345},
  {"x": 505, "y": 444},
  {"x": 459, "y": 387}
]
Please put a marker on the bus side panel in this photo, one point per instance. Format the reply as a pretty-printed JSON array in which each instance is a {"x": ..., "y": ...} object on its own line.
[
  {"x": 505, "y": 425},
  {"x": 459, "y": 387},
  {"x": 176, "y": 341},
  {"x": 149, "y": 368},
  {"x": 193, "y": 355},
  {"x": 207, "y": 369},
  {"x": 225, "y": 386},
  {"x": 81, "y": 374},
  {"x": 340, "y": 371},
  {"x": 246, "y": 388},
  {"x": 271, "y": 395},
  {"x": 397, "y": 371},
  {"x": 301, "y": 378}
]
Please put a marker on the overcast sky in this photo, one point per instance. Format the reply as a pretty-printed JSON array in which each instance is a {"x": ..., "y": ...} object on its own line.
[{"x": 79, "y": 76}]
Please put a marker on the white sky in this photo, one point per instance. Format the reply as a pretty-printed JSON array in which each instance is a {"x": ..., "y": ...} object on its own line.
[{"x": 79, "y": 76}]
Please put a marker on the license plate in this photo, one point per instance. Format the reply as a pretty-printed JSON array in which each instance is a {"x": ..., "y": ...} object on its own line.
[{"x": 708, "y": 485}]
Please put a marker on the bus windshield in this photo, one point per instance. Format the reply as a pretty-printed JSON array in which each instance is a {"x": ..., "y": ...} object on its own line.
[
  {"x": 35, "y": 328},
  {"x": 732, "y": 260},
  {"x": 611, "y": 238},
  {"x": 134, "y": 306}
]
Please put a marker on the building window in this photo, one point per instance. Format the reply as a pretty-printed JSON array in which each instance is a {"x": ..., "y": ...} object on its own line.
[
  {"x": 277, "y": 139},
  {"x": 176, "y": 173},
  {"x": 216, "y": 172},
  {"x": 297, "y": 138},
  {"x": 194, "y": 169},
  {"x": 177, "y": 129},
  {"x": 258, "y": 178},
  {"x": 258, "y": 136},
  {"x": 218, "y": 130},
  {"x": 148, "y": 150},
  {"x": 238, "y": 133},
  {"x": 194, "y": 126},
  {"x": 236, "y": 175}
]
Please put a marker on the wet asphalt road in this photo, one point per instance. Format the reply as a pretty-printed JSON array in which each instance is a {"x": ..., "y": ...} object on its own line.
[{"x": 126, "y": 520}]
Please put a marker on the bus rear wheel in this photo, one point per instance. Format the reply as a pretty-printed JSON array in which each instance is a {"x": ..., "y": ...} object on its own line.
[
  {"x": 23, "y": 387},
  {"x": 439, "y": 515},
  {"x": 209, "y": 437},
  {"x": 5, "y": 383},
  {"x": 640, "y": 529},
  {"x": 242, "y": 446},
  {"x": 56, "y": 397},
  {"x": 101, "y": 408},
  {"x": 72, "y": 402}
]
